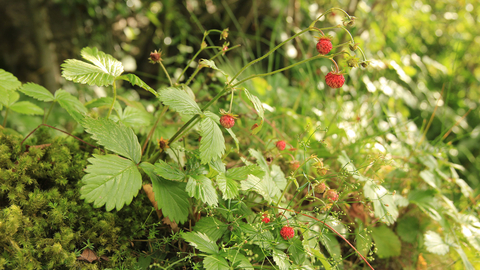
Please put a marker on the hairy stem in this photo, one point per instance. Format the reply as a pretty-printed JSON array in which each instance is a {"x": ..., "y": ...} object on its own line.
[{"x": 114, "y": 98}]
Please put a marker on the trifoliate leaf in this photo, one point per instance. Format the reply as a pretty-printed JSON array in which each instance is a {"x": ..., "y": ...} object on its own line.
[
  {"x": 387, "y": 242},
  {"x": 228, "y": 186},
  {"x": 210, "y": 226},
  {"x": 383, "y": 202},
  {"x": 257, "y": 104},
  {"x": 168, "y": 171},
  {"x": 37, "y": 91},
  {"x": 217, "y": 165},
  {"x": 435, "y": 243},
  {"x": 71, "y": 104},
  {"x": 26, "y": 107},
  {"x": 201, "y": 242},
  {"x": 215, "y": 262},
  {"x": 170, "y": 196},
  {"x": 200, "y": 187},
  {"x": 111, "y": 181},
  {"x": 212, "y": 145},
  {"x": 103, "y": 72},
  {"x": 256, "y": 184},
  {"x": 114, "y": 136},
  {"x": 8, "y": 82},
  {"x": 179, "y": 101}
]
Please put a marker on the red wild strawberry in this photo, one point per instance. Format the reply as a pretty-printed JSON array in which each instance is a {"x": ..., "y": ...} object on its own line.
[
  {"x": 281, "y": 145},
  {"x": 334, "y": 80},
  {"x": 324, "y": 45},
  {"x": 227, "y": 120},
  {"x": 266, "y": 220},
  {"x": 332, "y": 195},
  {"x": 287, "y": 232}
]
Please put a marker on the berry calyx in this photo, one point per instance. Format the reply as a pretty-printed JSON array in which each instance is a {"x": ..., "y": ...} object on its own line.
[
  {"x": 281, "y": 145},
  {"x": 287, "y": 232},
  {"x": 334, "y": 80},
  {"x": 155, "y": 57},
  {"x": 320, "y": 188},
  {"x": 324, "y": 45},
  {"x": 331, "y": 195}
]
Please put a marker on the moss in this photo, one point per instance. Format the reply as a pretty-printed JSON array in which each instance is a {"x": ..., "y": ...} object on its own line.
[{"x": 43, "y": 221}]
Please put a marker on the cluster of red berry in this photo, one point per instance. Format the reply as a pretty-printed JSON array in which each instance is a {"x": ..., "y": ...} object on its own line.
[{"x": 333, "y": 79}]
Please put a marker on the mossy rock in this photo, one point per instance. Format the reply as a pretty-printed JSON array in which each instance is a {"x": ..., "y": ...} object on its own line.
[{"x": 43, "y": 222}]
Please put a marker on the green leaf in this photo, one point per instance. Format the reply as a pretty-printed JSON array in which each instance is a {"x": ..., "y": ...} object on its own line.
[
  {"x": 210, "y": 226},
  {"x": 170, "y": 196},
  {"x": 211, "y": 64},
  {"x": 215, "y": 262},
  {"x": 363, "y": 242},
  {"x": 239, "y": 260},
  {"x": 435, "y": 243},
  {"x": 8, "y": 82},
  {"x": 468, "y": 265},
  {"x": 278, "y": 177},
  {"x": 103, "y": 72},
  {"x": 217, "y": 165},
  {"x": 257, "y": 104},
  {"x": 471, "y": 230},
  {"x": 260, "y": 159},
  {"x": 135, "y": 80},
  {"x": 256, "y": 184},
  {"x": 168, "y": 171},
  {"x": 333, "y": 247},
  {"x": 136, "y": 118},
  {"x": 387, "y": 242},
  {"x": 37, "y": 91},
  {"x": 212, "y": 145},
  {"x": 200, "y": 187},
  {"x": 408, "y": 228},
  {"x": 111, "y": 181},
  {"x": 201, "y": 242},
  {"x": 383, "y": 202},
  {"x": 9, "y": 98},
  {"x": 179, "y": 101},
  {"x": 429, "y": 178},
  {"x": 26, "y": 107},
  {"x": 71, "y": 104},
  {"x": 281, "y": 259},
  {"x": 100, "y": 102},
  {"x": 114, "y": 136},
  {"x": 241, "y": 173},
  {"x": 228, "y": 186},
  {"x": 297, "y": 251},
  {"x": 216, "y": 118}
]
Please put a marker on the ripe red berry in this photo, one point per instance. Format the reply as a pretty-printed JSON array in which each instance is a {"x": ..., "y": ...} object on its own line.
[
  {"x": 334, "y": 80},
  {"x": 287, "y": 232},
  {"x": 324, "y": 45},
  {"x": 332, "y": 195},
  {"x": 227, "y": 121},
  {"x": 266, "y": 220},
  {"x": 281, "y": 145}
]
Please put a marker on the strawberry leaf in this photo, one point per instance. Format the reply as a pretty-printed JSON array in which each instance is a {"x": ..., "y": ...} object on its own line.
[
  {"x": 386, "y": 241},
  {"x": 37, "y": 92},
  {"x": 201, "y": 242},
  {"x": 200, "y": 187},
  {"x": 71, "y": 104},
  {"x": 216, "y": 262},
  {"x": 210, "y": 226},
  {"x": 168, "y": 171},
  {"x": 228, "y": 186},
  {"x": 170, "y": 196},
  {"x": 114, "y": 136},
  {"x": 258, "y": 107},
  {"x": 8, "y": 82},
  {"x": 212, "y": 145},
  {"x": 135, "y": 80},
  {"x": 26, "y": 107},
  {"x": 179, "y": 101},
  {"x": 103, "y": 71},
  {"x": 111, "y": 181}
]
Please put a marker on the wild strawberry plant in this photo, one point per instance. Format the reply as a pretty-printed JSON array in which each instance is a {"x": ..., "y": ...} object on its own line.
[{"x": 248, "y": 209}]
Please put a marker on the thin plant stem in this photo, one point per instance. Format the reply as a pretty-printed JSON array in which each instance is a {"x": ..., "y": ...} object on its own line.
[
  {"x": 48, "y": 113},
  {"x": 166, "y": 73},
  {"x": 328, "y": 11},
  {"x": 5, "y": 118},
  {"x": 114, "y": 99}
]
